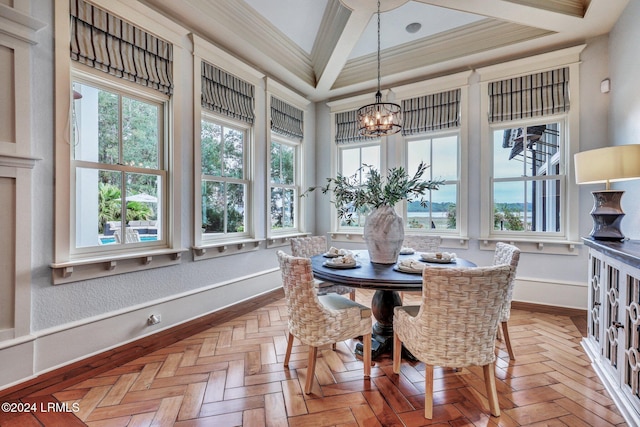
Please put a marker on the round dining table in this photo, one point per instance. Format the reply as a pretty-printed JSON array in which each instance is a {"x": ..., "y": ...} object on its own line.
[{"x": 387, "y": 281}]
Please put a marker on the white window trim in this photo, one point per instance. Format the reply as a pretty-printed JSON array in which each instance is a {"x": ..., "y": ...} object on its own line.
[
  {"x": 565, "y": 244},
  {"x": 67, "y": 268},
  {"x": 458, "y": 239},
  {"x": 297, "y": 147},
  {"x": 205, "y": 249},
  {"x": 304, "y": 153}
]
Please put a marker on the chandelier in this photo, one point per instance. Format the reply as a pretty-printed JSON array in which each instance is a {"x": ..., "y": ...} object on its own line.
[{"x": 380, "y": 118}]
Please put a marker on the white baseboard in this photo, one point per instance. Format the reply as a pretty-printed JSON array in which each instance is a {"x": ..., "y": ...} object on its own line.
[
  {"x": 60, "y": 346},
  {"x": 553, "y": 293}
]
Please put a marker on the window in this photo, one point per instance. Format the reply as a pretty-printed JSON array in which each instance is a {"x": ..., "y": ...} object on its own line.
[
  {"x": 528, "y": 178},
  {"x": 118, "y": 168},
  {"x": 284, "y": 188},
  {"x": 441, "y": 153},
  {"x": 529, "y": 137},
  {"x": 352, "y": 158},
  {"x": 224, "y": 186}
]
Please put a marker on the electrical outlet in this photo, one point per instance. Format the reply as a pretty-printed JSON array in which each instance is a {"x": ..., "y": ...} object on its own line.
[{"x": 154, "y": 319}]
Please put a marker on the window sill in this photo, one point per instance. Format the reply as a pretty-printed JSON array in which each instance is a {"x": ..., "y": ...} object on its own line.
[
  {"x": 92, "y": 268},
  {"x": 218, "y": 249},
  {"x": 538, "y": 246},
  {"x": 280, "y": 240}
]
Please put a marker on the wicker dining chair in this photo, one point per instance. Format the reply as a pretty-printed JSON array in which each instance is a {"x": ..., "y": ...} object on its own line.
[
  {"x": 510, "y": 255},
  {"x": 315, "y": 245},
  {"x": 422, "y": 243},
  {"x": 320, "y": 320},
  {"x": 455, "y": 325}
]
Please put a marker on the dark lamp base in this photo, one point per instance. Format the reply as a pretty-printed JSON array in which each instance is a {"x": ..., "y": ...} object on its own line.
[{"x": 607, "y": 215}]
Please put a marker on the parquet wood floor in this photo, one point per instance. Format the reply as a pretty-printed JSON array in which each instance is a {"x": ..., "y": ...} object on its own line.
[{"x": 231, "y": 374}]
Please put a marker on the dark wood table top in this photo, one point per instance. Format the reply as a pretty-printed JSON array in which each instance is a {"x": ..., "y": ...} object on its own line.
[{"x": 369, "y": 275}]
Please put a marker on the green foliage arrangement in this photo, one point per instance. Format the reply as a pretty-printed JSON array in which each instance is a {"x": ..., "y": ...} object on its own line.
[{"x": 350, "y": 196}]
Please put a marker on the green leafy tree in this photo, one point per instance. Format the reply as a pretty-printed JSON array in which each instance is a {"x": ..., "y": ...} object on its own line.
[{"x": 507, "y": 218}]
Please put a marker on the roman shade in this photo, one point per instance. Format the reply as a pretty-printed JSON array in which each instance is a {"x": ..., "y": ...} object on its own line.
[
  {"x": 107, "y": 43},
  {"x": 534, "y": 95},
  {"x": 431, "y": 112},
  {"x": 347, "y": 128},
  {"x": 286, "y": 119},
  {"x": 227, "y": 94}
]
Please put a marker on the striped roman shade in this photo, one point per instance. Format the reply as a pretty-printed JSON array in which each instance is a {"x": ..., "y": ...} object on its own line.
[
  {"x": 534, "y": 95},
  {"x": 107, "y": 43},
  {"x": 286, "y": 119},
  {"x": 431, "y": 112},
  {"x": 227, "y": 94},
  {"x": 347, "y": 128}
]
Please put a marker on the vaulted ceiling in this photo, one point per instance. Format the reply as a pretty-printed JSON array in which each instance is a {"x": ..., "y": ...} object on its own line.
[{"x": 326, "y": 49}]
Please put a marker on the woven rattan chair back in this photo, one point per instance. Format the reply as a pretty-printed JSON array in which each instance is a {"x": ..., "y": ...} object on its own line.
[
  {"x": 317, "y": 321},
  {"x": 308, "y": 246},
  {"x": 509, "y": 255},
  {"x": 422, "y": 243},
  {"x": 455, "y": 324},
  {"x": 315, "y": 245}
]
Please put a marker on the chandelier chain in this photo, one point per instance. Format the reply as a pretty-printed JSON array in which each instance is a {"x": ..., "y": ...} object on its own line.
[{"x": 378, "y": 46}]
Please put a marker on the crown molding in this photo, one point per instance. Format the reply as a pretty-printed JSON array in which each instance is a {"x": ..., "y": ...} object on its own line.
[{"x": 19, "y": 25}]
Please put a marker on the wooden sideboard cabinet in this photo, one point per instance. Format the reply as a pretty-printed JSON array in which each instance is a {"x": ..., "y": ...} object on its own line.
[{"x": 613, "y": 327}]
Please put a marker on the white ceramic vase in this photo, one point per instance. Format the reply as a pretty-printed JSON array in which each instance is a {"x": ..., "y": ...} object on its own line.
[{"x": 384, "y": 234}]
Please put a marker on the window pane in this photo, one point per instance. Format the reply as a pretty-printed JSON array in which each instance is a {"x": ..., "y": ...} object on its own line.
[
  {"x": 287, "y": 164},
  {"x": 371, "y": 156},
  {"x": 233, "y": 153},
  {"x": 282, "y": 208},
  {"x": 509, "y": 206},
  {"x": 143, "y": 201},
  {"x": 418, "y": 151},
  {"x": 544, "y": 209},
  {"x": 213, "y": 206},
  {"x": 506, "y": 163},
  {"x": 439, "y": 214},
  {"x": 98, "y": 206},
  {"x": 445, "y": 155},
  {"x": 95, "y": 128},
  {"x": 235, "y": 208},
  {"x": 139, "y": 133},
  {"x": 350, "y": 161},
  {"x": 211, "y": 148},
  {"x": 276, "y": 158}
]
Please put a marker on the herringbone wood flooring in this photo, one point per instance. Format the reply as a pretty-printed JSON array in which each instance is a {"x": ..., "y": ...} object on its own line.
[{"x": 231, "y": 374}]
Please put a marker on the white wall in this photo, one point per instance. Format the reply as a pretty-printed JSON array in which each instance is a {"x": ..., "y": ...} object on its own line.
[{"x": 624, "y": 115}]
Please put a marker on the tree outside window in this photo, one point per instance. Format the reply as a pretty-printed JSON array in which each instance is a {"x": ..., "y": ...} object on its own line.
[
  {"x": 284, "y": 186},
  {"x": 224, "y": 183}
]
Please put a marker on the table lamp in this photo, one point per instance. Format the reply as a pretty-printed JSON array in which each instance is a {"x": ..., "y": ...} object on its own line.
[{"x": 609, "y": 164}]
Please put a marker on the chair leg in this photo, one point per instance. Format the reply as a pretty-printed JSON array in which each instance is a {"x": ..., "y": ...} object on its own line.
[
  {"x": 397, "y": 351},
  {"x": 288, "y": 353},
  {"x": 490, "y": 382},
  {"x": 366, "y": 354},
  {"x": 507, "y": 341},
  {"x": 311, "y": 368},
  {"x": 352, "y": 295},
  {"x": 428, "y": 392}
]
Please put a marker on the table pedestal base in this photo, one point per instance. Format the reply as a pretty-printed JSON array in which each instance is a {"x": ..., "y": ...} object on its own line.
[{"x": 382, "y": 306}]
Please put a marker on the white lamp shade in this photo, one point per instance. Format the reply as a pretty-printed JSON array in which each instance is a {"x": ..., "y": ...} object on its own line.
[{"x": 609, "y": 164}]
